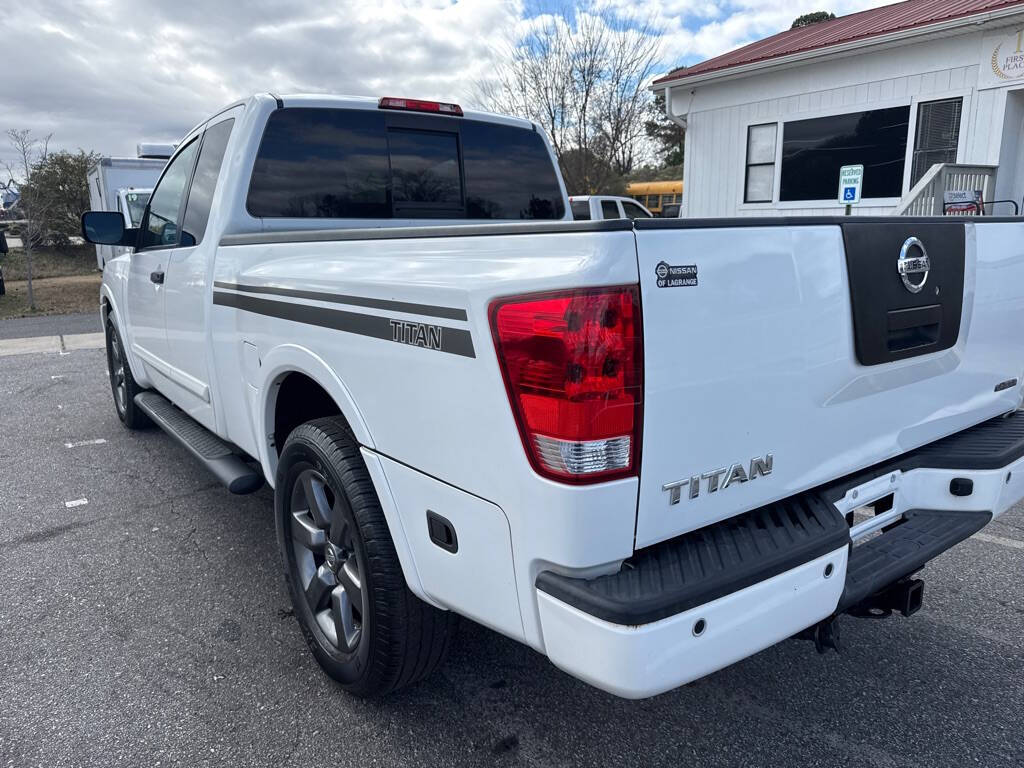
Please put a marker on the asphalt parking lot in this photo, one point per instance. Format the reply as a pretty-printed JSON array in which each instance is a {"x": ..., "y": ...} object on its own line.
[{"x": 149, "y": 625}]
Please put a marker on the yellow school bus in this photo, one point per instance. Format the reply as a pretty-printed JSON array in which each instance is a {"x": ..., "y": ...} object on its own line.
[{"x": 654, "y": 194}]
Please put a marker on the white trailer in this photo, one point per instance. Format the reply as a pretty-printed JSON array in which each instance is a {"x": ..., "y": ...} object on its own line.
[{"x": 123, "y": 184}]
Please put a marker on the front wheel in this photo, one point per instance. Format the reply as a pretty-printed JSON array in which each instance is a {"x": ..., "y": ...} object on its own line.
[
  {"x": 122, "y": 383},
  {"x": 363, "y": 625}
]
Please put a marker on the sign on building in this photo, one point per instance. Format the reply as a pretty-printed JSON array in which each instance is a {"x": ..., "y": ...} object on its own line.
[
  {"x": 851, "y": 178},
  {"x": 1003, "y": 62}
]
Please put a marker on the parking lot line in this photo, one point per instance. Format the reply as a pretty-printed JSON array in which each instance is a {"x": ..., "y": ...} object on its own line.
[
  {"x": 1004, "y": 541},
  {"x": 80, "y": 443}
]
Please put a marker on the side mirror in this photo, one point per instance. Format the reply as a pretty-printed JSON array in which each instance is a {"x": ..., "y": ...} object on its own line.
[{"x": 107, "y": 228}]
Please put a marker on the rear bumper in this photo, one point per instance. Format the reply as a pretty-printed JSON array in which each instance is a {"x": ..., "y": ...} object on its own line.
[
  {"x": 640, "y": 661},
  {"x": 688, "y": 607}
]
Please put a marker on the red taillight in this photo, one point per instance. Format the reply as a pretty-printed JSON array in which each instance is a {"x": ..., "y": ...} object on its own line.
[
  {"x": 573, "y": 367},
  {"x": 417, "y": 105}
]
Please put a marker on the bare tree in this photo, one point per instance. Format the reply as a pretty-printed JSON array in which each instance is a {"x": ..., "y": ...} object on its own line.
[
  {"x": 633, "y": 55},
  {"x": 583, "y": 77},
  {"x": 32, "y": 206}
]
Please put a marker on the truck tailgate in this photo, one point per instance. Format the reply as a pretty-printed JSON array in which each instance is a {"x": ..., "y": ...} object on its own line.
[{"x": 782, "y": 355}]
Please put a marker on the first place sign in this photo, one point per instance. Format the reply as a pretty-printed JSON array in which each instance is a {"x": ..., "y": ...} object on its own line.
[{"x": 851, "y": 177}]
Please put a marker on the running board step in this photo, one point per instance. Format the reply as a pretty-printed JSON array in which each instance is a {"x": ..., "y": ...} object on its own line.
[
  {"x": 218, "y": 457},
  {"x": 902, "y": 550}
]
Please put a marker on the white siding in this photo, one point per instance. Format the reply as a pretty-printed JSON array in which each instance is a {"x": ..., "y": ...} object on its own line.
[{"x": 718, "y": 115}]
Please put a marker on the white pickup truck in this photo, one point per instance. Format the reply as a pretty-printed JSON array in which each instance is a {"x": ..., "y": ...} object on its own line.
[{"x": 647, "y": 449}]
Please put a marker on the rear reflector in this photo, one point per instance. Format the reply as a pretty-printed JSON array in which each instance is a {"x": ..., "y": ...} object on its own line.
[
  {"x": 416, "y": 105},
  {"x": 572, "y": 363}
]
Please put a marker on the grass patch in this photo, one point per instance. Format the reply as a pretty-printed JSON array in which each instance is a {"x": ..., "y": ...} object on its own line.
[
  {"x": 54, "y": 295},
  {"x": 50, "y": 262}
]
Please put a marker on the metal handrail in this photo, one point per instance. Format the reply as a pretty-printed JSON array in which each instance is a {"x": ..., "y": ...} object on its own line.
[{"x": 1016, "y": 208}]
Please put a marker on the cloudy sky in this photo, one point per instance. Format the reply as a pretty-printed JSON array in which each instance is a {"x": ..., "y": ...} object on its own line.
[{"x": 104, "y": 74}]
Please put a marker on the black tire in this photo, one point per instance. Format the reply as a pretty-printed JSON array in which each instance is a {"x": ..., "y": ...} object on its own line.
[
  {"x": 122, "y": 384},
  {"x": 342, "y": 570}
]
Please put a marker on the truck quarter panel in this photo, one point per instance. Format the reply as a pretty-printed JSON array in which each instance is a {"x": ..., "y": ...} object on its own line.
[{"x": 386, "y": 317}]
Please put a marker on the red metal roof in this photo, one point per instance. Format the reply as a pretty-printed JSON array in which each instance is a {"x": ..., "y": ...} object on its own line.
[{"x": 856, "y": 26}]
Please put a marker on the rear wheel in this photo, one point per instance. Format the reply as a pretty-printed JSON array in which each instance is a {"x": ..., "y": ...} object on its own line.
[
  {"x": 363, "y": 625},
  {"x": 122, "y": 384}
]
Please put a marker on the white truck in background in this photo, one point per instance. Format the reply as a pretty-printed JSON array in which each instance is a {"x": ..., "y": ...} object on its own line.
[
  {"x": 606, "y": 207},
  {"x": 645, "y": 448},
  {"x": 124, "y": 184}
]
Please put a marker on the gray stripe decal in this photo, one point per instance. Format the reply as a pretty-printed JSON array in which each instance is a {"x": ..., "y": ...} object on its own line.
[
  {"x": 449, "y": 313},
  {"x": 456, "y": 341}
]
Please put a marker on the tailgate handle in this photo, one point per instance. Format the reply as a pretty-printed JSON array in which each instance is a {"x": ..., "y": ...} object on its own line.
[{"x": 913, "y": 327}]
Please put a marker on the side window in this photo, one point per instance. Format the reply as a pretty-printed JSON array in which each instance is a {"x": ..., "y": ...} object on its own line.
[
  {"x": 759, "y": 186},
  {"x": 937, "y": 135},
  {"x": 581, "y": 210},
  {"x": 634, "y": 211},
  {"x": 609, "y": 210},
  {"x": 204, "y": 183},
  {"x": 161, "y": 224},
  {"x": 814, "y": 150}
]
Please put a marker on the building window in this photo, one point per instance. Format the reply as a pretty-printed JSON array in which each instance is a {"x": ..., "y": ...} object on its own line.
[
  {"x": 937, "y": 135},
  {"x": 814, "y": 150},
  {"x": 759, "y": 186}
]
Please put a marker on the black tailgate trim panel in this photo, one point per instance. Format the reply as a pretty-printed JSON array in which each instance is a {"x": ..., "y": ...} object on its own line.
[{"x": 889, "y": 321}]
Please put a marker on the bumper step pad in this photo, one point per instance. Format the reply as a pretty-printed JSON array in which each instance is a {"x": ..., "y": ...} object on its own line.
[
  {"x": 700, "y": 566},
  {"x": 993, "y": 444},
  {"x": 215, "y": 454},
  {"x": 902, "y": 550}
]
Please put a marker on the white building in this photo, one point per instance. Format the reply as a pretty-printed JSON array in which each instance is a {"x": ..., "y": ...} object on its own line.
[{"x": 927, "y": 94}]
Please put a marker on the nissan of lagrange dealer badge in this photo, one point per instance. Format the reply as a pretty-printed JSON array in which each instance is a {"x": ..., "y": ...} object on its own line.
[{"x": 675, "y": 276}]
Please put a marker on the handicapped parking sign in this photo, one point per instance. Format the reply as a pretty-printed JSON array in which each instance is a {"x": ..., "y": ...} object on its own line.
[{"x": 851, "y": 177}]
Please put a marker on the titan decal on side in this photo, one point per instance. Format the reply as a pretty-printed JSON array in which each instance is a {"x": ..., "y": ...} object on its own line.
[
  {"x": 679, "y": 276},
  {"x": 759, "y": 465},
  {"x": 416, "y": 334}
]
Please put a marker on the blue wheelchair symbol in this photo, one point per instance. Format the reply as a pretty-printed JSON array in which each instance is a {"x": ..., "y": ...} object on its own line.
[{"x": 849, "y": 193}]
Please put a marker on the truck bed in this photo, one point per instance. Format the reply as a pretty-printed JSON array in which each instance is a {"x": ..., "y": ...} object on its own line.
[{"x": 771, "y": 353}]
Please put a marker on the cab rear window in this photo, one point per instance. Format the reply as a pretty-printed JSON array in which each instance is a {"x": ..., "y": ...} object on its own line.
[
  {"x": 335, "y": 163},
  {"x": 580, "y": 210}
]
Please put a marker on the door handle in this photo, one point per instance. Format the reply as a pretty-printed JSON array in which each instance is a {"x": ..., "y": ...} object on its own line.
[{"x": 157, "y": 277}]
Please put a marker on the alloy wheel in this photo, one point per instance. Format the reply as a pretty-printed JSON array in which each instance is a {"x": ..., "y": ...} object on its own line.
[
  {"x": 117, "y": 376},
  {"x": 327, "y": 561}
]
